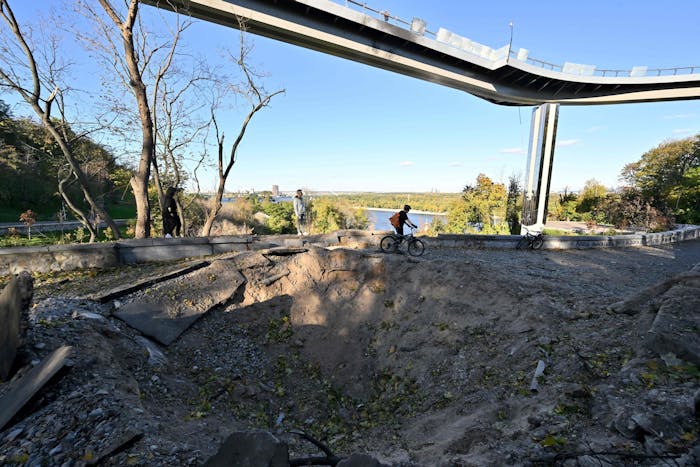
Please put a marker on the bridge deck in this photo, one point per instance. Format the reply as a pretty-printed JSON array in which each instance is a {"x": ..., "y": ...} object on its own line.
[{"x": 499, "y": 76}]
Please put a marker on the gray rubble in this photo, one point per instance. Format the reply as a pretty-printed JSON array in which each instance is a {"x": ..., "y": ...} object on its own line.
[{"x": 387, "y": 362}]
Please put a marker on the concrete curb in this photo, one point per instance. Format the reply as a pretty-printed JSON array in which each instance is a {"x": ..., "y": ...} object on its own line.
[
  {"x": 112, "y": 254},
  {"x": 564, "y": 242}
]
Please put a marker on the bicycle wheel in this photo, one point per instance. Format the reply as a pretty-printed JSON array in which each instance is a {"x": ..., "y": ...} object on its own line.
[
  {"x": 537, "y": 242},
  {"x": 388, "y": 244},
  {"x": 416, "y": 247},
  {"x": 522, "y": 243}
]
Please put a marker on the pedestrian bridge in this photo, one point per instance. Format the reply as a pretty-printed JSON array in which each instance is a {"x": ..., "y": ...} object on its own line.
[{"x": 350, "y": 29}]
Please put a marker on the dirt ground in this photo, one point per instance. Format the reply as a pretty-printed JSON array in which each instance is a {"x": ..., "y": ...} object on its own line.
[{"x": 414, "y": 361}]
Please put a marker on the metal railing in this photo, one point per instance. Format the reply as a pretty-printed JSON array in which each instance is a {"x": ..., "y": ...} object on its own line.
[{"x": 387, "y": 17}]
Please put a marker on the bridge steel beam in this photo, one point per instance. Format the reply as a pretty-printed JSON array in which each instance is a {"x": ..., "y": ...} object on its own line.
[
  {"x": 538, "y": 171},
  {"x": 332, "y": 28}
]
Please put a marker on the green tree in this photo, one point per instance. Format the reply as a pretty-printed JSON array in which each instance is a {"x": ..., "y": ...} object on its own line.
[
  {"x": 512, "y": 208},
  {"x": 482, "y": 203},
  {"x": 631, "y": 209},
  {"x": 281, "y": 215},
  {"x": 666, "y": 177},
  {"x": 590, "y": 201},
  {"x": 329, "y": 214}
]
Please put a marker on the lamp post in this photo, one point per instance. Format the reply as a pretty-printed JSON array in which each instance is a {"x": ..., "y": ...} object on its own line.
[{"x": 510, "y": 42}]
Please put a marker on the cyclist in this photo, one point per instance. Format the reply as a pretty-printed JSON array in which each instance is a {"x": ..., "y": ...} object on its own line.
[{"x": 401, "y": 218}]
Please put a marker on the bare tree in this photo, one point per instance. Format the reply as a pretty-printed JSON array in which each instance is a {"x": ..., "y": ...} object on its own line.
[
  {"x": 179, "y": 127},
  {"x": 131, "y": 60},
  {"x": 150, "y": 67},
  {"x": 19, "y": 67},
  {"x": 258, "y": 99}
]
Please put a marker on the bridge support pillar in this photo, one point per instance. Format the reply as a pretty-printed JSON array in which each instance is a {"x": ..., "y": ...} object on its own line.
[{"x": 538, "y": 172}]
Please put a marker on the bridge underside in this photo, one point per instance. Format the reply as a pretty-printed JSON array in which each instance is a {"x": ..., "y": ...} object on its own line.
[{"x": 334, "y": 29}]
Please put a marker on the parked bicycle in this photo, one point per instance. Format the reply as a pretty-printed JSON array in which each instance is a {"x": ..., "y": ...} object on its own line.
[
  {"x": 392, "y": 242},
  {"x": 531, "y": 240}
]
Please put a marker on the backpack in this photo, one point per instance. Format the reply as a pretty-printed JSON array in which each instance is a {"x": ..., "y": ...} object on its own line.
[{"x": 395, "y": 220}]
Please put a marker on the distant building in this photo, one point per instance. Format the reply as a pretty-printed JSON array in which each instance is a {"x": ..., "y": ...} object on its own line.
[{"x": 275, "y": 190}]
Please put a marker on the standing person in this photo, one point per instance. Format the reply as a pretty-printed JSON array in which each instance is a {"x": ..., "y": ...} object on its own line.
[
  {"x": 171, "y": 219},
  {"x": 401, "y": 218},
  {"x": 299, "y": 211}
]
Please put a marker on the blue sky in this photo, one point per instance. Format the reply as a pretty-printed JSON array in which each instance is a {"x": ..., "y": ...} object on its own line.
[{"x": 345, "y": 126}]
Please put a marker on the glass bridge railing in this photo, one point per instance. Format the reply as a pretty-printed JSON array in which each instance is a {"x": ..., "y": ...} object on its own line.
[{"x": 418, "y": 26}]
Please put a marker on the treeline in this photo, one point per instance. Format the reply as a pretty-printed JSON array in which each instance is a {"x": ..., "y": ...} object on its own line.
[
  {"x": 260, "y": 214},
  {"x": 659, "y": 190},
  {"x": 433, "y": 202},
  {"x": 32, "y": 167}
]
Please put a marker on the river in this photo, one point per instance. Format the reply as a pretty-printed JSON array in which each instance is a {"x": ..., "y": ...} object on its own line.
[{"x": 379, "y": 218}]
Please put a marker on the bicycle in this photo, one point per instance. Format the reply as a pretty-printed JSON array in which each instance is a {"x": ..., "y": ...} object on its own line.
[
  {"x": 534, "y": 241},
  {"x": 392, "y": 242}
]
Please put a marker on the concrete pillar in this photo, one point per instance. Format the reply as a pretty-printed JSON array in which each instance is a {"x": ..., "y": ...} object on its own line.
[{"x": 538, "y": 172}]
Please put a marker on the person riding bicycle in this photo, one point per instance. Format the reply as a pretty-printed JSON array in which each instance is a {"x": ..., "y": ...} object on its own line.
[{"x": 400, "y": 218}]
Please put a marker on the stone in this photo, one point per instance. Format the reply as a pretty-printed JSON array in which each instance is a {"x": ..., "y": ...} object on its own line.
[
  {"x": 14, "y": 302},
  {"x": 252, "y": 449},
  {"x": 657, "y": 425},
  {"x": 30, "y": 383},
  {"x": 360, "y": 460},
  {"x": 674, "y": 329}
]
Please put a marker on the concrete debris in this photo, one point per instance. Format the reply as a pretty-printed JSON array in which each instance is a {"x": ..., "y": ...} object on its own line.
[
  {"x": 167, "y": 309},
  {"x": 14, "y": 301},
  {"x": 401, "y": 364},
  {"x": 28, "y": 385}
]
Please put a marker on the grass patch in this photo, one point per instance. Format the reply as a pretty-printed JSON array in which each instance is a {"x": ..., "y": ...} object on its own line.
[
  {"x": 558, "y": 232},
  {"x": 79, "y": 235}
]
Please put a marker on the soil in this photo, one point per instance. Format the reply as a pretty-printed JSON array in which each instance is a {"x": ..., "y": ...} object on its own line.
[{"x": 414, "y": 361}]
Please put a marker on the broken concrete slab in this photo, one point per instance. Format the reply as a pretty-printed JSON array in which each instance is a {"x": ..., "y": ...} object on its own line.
[
  {"x": 117, "y": 445},
  {"x": 106, "y": 296},
  {"x": 251, "y": 449},
  {"x": 360, "y": 460},
  {"x": 675, "y": 327},
  {"x": 275, "y": 277},
  {"x": 27, "y": 386},
  {"x": 250, "y": 260},
  {"x": 166, "y": 310},
  {"x": 283, "y": 251},
  {"x": 14, "y": 301},
  {"x": 651, "y": 297}
]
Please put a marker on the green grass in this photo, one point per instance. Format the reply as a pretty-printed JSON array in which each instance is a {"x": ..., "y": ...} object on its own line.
[
  {"x": 79, "y": 235},
  {"x": 117, "y": 211},
  {"x": 122, "y": 211},
  {"x": 557, "y": 232}
]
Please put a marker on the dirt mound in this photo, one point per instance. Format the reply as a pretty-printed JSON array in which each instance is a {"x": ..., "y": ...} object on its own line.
[{"x": 427, "y": 361}]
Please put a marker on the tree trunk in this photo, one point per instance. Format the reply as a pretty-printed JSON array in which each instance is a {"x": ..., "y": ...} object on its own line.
[
  {"x": 140, "y": 179},
  {"x": 143, "y": 208},
  {"x": 79, "y": 214},
  {"x": 214, "y": 211},
  {"x": 82, "y": 180}
]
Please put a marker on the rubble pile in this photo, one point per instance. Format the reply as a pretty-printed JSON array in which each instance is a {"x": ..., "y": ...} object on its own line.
[{"x": 473, "y": 357}]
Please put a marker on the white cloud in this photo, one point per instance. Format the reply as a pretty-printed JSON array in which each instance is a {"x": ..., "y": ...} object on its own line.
[
  {"x": 512, "y": 151},
  {"x": 567, "y": 142},
  {"x": 406, "y": 163},
  {"x": 683, "y": 131},
  {"x": 595, "y": 129},
  {"x": 677, "y": 116},
  {"x": 456, "y": 164}
]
